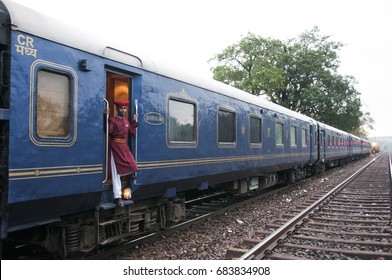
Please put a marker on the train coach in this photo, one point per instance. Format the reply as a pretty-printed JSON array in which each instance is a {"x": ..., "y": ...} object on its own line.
[
  {"x": 194, "y": 136},
  {"x": 375, "y": 147},
  {"x": 337, "y": 146}
]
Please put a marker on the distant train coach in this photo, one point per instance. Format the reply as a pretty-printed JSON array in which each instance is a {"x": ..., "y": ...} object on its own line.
[{"x": 375, "y": 147}]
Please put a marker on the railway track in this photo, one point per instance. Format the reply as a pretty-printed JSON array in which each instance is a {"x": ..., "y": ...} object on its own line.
[
  {"x": 352, "y": 221},
  {"x": 197, "y": 210}
]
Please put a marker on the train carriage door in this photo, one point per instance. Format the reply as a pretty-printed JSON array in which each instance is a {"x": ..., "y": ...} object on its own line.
[
  {"x": 317, "y": 141},
  {"x": 312, "y": 147},
  {"x": 322, "y": 143},
  {"x": 118, "y": 87}
]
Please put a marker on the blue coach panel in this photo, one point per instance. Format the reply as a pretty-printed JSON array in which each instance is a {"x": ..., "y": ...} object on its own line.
[
  {"x": 334, "y": 145},
  {"x": 205, "y": 158},
  {"x": 54, "y": 153}
]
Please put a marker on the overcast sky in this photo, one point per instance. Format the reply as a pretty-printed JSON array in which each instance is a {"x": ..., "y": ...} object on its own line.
[{"x": 189, "y": 32}]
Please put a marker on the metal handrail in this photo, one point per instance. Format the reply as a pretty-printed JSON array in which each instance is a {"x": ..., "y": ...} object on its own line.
[
  {"x": 137, "y": 113},
  {"x": 107, "y": 142}
]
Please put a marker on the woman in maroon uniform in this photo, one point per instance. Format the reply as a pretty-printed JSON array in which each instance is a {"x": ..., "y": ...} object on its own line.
[{"x": 122, "y": 161}]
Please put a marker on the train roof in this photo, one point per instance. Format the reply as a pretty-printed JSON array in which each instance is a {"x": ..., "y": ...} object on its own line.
[
  {"x": 331, "y": 128},
  {"x": 36, "y": 23}
]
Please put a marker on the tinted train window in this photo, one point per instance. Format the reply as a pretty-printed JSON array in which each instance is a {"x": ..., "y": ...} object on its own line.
[
  {"x": 304, "y": 137},
  {"x": 293, "y": 136},
  {"x": 182, "y": 122},
  {"x": 279, "y": 133},
  {"x": 53, "y": 105},
  {"x": 226, "y": 127},
  {"x": 255, "y": 130},
  {"x": 322, "y": 139}
]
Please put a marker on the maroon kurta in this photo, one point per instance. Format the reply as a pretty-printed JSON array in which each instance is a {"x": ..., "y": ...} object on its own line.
[{"x": 119, "y": 129}]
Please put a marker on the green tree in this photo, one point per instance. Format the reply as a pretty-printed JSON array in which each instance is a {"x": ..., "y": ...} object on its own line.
[
  {"x": 254, "y": 65},
  {"x": 300, "y": 74}
]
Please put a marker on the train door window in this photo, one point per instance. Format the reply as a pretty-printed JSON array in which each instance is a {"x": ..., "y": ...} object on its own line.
[
  {"x": 293, "y": 136},
  {"x": 279, "y": 134},
  {"x": 304, "y": 137},
  {"x": 255, "y": 130},
  {"x": 182, "y": 122},
  {"x": 322, "y": 139},
  {"x": 329, "y": 140},
  {"x": 226, "y": 127}
]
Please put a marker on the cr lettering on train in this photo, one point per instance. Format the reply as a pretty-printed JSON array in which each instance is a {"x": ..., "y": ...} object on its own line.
[{"x": 25, "y": 41}]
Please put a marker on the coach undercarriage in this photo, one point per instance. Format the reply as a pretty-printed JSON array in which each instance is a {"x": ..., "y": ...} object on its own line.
[{"x": 84, "y": 233}]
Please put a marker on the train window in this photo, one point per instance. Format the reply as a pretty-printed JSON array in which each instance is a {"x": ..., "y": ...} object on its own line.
[
  {"x": 226, "y": 127},
  {"x": 322, "y": 138},
  {"x": 304, "y": 137},
  {"x": 279, "y": 133},
  {"x": 53, "y": 96},
  {"x": 53, "y": 105},
  {"x": 182, "y": 122},
  {"x": 293, "y": 136},
  {"x": 255, "y": 130}
]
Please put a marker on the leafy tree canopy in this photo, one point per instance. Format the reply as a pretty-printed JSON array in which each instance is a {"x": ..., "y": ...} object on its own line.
[{"x": 300, "y": 74}]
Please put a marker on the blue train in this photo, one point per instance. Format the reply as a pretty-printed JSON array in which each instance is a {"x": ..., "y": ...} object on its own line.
[{"x": 194, "y": 135}]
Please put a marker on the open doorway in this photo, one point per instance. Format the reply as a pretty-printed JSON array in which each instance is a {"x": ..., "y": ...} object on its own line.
[{"x": 118, "y": 88}]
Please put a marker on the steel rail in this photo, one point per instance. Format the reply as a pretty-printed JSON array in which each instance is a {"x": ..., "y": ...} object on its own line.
[
  {"x": 259, "y": 250},
  {"x": 390, "y": 167}
]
